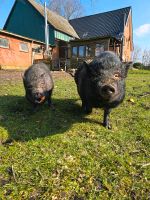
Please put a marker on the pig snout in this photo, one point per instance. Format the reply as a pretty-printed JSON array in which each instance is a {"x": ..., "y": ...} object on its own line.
[
  {"x": 108, "y": 91},
  {"x": 39, "y": 97}
]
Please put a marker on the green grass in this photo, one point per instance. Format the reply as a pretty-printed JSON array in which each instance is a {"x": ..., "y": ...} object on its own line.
[{"x": 64, "y": 154}]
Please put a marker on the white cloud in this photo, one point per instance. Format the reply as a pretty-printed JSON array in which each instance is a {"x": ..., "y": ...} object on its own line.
[{"x": 142, "y": 30}]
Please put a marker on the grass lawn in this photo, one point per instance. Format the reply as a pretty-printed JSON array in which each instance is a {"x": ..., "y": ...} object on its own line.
[{"x": 64, "y": 154}]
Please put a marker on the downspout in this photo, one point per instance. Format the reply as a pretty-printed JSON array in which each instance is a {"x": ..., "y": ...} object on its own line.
[
  {"x": 46, "y": 31},
  {"x": 32, "y": 53},
  {"x": 108, "y": 44},
  {"x": 122, "y": 42}
]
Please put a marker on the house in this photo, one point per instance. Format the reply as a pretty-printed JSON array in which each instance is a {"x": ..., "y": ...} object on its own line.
[
  {"x": 102, "y": 32},
  {"x": 74, "y": 40},
  {"x": 27, "y": 19},
  {"x": 18, "y": 51}
]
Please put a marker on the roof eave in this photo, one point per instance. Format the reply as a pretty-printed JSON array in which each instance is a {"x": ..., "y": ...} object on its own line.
[
  {"x": 22, "y": 37},
  {"x": 94, "y": 38}
]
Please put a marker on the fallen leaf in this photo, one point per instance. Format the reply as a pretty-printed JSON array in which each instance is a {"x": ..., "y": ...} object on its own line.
[{"x": 131, "y": 100}]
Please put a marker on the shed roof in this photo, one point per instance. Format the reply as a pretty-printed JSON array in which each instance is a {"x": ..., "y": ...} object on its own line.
[
  {"x": 57, "y": 21},
  {"x": 103, "y": 24}
]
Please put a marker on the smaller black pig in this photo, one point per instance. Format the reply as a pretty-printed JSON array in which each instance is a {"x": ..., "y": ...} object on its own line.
[
  {"x": 38, "y": 84},
  {"x": 101, "y": 83}
]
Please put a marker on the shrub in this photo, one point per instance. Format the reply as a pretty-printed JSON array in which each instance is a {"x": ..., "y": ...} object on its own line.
[
  {"x": 147, "y": 67},
  {"x": 138, "y": 65}
]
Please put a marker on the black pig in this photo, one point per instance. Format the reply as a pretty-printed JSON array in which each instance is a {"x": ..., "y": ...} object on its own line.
[
  {"x": 101, "y": 83},
  {"x": 38, "y": 84}
]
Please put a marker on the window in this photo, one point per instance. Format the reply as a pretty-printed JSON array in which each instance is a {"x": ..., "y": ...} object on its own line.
[
  {"x": 81, "y": 51},
  {"x": 4, "y": 43},
  {"x": 74, "y": 51},
  {"x": 88, "y": 51},
  {"x": 24, "y": 47},
  {"x": 99, "y": 49},
  {"x": 37, "y": 49}
]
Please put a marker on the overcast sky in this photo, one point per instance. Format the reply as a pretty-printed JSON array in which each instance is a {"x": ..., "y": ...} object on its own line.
[{"x": 140, "y": 13}]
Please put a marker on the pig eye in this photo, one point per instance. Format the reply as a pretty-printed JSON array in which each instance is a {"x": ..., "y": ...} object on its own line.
[
  {"x": 117, "y": 75},
  {"x": 29, "y": 86}
]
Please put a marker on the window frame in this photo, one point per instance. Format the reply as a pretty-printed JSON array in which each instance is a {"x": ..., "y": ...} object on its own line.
[
  {"x": 88, "y": 51},
  {"x": 22, "y": 50},
  {"x": 83, "y": 51},
  {"x": 76, "y": 51},
  {"x": 37, "y": 49},
  {"x": 5, "y": 47},
  {"x": 98, "y": 45}
]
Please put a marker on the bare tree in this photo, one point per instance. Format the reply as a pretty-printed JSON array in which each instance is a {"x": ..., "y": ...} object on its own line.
[
  {"x": 56, "y": 6},
  {"x": 40, "y": 1},
  {"x": 146, "y": 57},
  {"x": 137, "y": 53},
  {"x": 69, "y": 9},
  {"x": 72, "y": 9}
]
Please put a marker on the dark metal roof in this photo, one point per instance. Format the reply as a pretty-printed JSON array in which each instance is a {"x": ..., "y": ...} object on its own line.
[{"x": 103, "y": 24}]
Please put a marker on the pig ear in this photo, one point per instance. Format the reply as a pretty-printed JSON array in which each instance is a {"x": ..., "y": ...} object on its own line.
[
  {"x": 85, "y": 64},
  {"x": 126, "y": 68},
  {"x": 88, "y": 68}
]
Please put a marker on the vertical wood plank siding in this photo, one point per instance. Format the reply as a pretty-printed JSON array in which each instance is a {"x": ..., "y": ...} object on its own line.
[{"x": 28, "y": 22}]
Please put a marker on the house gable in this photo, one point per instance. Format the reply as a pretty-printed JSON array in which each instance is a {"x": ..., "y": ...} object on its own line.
[
  {"x": 60, "y": 24},
  {"x": 25, "y": 20}
]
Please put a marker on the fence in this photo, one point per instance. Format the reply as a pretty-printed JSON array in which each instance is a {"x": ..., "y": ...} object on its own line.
[{"x": 55, "y": 64}]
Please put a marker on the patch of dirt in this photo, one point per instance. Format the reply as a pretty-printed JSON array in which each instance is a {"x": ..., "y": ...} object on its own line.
[
  {"x": 10, "y": 75},
  {"x": 16, "y": 75},
  {"x": 143, "y": 94},
  {"x": 3, "y": 181},
  {"x": 60, "y": 75}
]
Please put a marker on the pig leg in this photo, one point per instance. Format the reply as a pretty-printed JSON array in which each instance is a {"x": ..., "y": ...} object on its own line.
[
  {"x": 34, "y": 107},
  {"x": 49, "y": 100},
  {"x": 86, "y": 107},
  {"x": 106, "y": 118},
  {"x": 50, "y": 104}
]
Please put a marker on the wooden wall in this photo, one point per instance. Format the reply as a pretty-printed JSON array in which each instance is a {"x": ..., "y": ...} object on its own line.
[{"x": 128, "y": 43}]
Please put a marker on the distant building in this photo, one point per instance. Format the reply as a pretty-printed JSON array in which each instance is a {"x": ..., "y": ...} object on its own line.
[{"x": 75, "y": 40}]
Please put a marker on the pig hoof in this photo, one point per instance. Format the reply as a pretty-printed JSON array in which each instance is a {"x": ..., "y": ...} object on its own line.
[
  {"x": 52, "y": 107},
  {"x": 108, "y": 126},
  {"x": 87, "y": 110}
]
